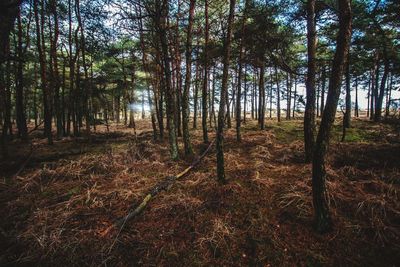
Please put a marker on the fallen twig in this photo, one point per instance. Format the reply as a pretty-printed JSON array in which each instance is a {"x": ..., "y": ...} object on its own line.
[{"x": 163, "y": 185}]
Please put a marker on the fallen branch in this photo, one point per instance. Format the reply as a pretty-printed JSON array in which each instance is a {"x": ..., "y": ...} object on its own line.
[
  {"x": 163, "y": 185},
  {"x": 36, "y": 127}
]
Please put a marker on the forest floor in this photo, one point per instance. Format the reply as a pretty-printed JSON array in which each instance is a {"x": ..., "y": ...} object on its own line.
[{"x": 56, "y": 209}]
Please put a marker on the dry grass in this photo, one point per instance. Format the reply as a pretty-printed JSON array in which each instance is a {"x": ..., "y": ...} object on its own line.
[{"x": 56, "y": 212}]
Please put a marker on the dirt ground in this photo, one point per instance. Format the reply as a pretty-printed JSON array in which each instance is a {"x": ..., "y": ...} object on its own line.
[{"x": 57, "y": 201}]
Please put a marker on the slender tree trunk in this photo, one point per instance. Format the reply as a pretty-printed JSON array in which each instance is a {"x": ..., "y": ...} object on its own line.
[
  {"x": 347, "y": 114},
  {"x": 356, "y": 102},
  {"x": 185, "y": 98},
  {"x": 19, "y": 87},
  {"x": 320, "y": 202},
  {"x": 42, "y": 63},
  {"x": 294, "y": 97},
  {"x": 196, "y": 95},
  {"x": 379, "y": 102},
  {"x": 205, "y": 81},
  {"x": 289, "y": 95},
  {"x": 170, "y": 99},
  {"x": 322, "y": 106},
  {"x": 245, "y": 95},
  {"x": 278, "y": 95},
  {"x": 222, "y": 103},
  {"x": 261, "y": 99},
  {"x": 309, "y": 113}
]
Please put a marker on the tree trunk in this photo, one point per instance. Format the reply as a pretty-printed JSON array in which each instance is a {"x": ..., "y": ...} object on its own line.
[
  {"x": 381, "y": 93},
  {"x": 261, "y": 99},
  {"x": 309, "y": 113},
  {"x": 320, "y": 202},
  {"x": 19, "y": 87},
  {"x": 347, "y": 114},
  {"x": 170, "y": 99},
  {"x": 205, "y": 78},
  {"x": 322, "y": 106},
  {"x": 185, "y": 98},
  {"x": 222, "y": 103},
  {"x": 42, "y": 63},
  {"x": 278, "y": 96}
]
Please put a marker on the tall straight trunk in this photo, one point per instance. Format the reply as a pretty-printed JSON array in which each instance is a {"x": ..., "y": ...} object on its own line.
[
  {"x": 252, "y": 99},
  {"x": 55, "y": 73},
  {"x": 278, "y": 96},
  {"x": 146, "y": 70},
  {"x": 196, "y": 94},
  {"x": 245, "y": 95},
  {"x": 320, "y": 199},
  {"x": 271, "y": 93},
  {"x": 289, "y": 95},
  {"x": 205, "y": 78},
  {"x": 389, "y": 95},
  {"x": 213, "y": 95},
  {"x": 347, "y": 114},
  {"x": 317, "y": 96},
  {"x": 381, "y": 93},
  {"x": 72, "y": 99},
  {"x": 169, "y": 91},
  {"x": 8, "y": 14},
  {"x": 42, "y": 63},
  {"x": 372, "y": 97},
  {"x": 356, "y": 101},
  {"x": 185, "y": 98},
  {"x": 178, "y": 75},
  {"x": 294, "y": 97},
  {"x": 86, "y": 84},
  {"x": 323, "y": 85},
  {"x": 368, "y": 96},
  {"x": 222, "y": 103},
  {"x": 228, "y": 114},
  {"x": 19, "y": 87},
  {"x": 309, "y": 113},
  {"x": 261, "y": 97}
]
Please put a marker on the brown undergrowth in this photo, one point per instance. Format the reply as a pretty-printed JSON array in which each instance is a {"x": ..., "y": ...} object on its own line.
[{"x": 55, "y": 213}]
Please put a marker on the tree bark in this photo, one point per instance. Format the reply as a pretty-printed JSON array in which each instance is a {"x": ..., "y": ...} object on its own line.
[
  {"x": 309, "y": 113},
  {"x": 323, "y": 221},
  {"x": 222, "y": 103},
  {"x": 19, "y": 87},
  {"x": 205, "y": 78},
  {"x": 161, "y": 18},
  {"x": 185, "y": 98},
  {"x": 347, "y": 114}
]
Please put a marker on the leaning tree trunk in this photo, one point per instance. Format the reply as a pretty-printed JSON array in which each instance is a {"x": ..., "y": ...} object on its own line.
[
  {"x": 222, "y": 103},
  {"x": 381, "y": 93},
  {"x": 309, "y": 113},
  {"x": 320, "y": 198},
  {"x": 185, "y": 98}
]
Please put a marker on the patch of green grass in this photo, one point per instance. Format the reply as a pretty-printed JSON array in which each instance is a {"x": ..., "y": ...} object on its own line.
[
  {"x": 287, "y": 131},
  {"x": 73, "y": 191}
]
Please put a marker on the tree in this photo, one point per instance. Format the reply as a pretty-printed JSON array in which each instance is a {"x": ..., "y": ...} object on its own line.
[
  {"x": 322, "y": 218},
  {"x": 205, "y": 77},
  {"x": 309, "y": 113},
  {"x": 223, "y": 99},
  {"x": 185, "y": 98}
]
